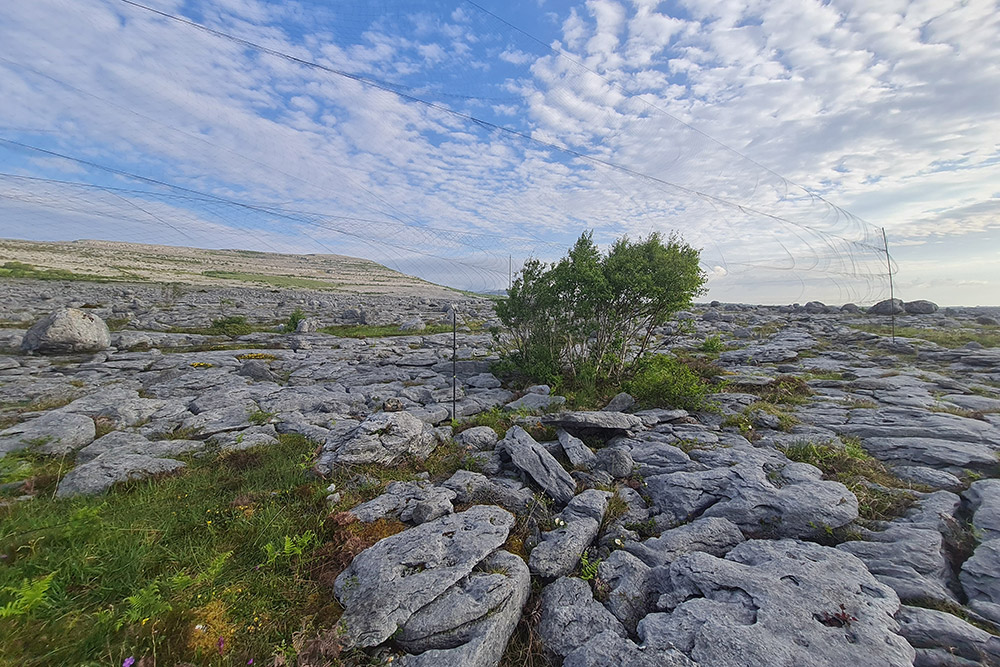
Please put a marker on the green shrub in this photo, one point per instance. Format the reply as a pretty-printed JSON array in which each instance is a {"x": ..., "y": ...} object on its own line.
[
  {"x": 233, "y": 325},
  {"x": 663, "y": 381},
  {"x": 712, "y": 344},
  {"x": 589, "y": 318},
  {"x": 293, "y": 320}
]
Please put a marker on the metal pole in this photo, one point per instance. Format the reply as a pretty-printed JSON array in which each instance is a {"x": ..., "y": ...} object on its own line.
[
  {"x": 454, "y": 363},
  {"x": 510, "y": 272},
  {"x": 892, "y": 294}
]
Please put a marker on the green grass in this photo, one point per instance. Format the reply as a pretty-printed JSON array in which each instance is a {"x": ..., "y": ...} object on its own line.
[
  {"x": 853, "y": 467},
  {"x": 22, "y": 270},
  {"x": 371, "y": 331},
  {"x": 786, "y": 389},
  {"x": 987, "y": 336},
  {"x": 230, "y": 544},
  {"x": 277, "y": 281}
]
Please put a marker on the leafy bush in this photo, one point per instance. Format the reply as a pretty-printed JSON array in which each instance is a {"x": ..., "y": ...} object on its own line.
[
  {"x": 663, "y": 381},
  {"x": 589, "y": 318},
  {"x": 713, "y": 343},
  {"x": 233, "y": 325}
]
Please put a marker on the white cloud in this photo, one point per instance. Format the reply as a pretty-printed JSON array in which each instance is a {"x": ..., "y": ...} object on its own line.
[{"x": 890, "y": 109}]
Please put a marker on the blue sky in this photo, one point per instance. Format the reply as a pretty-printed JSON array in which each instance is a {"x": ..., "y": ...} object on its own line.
[{"x": 444, "y": 138}]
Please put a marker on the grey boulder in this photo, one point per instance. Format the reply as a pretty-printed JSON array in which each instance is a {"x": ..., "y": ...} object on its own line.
[
  {"x": 99, "y": 475},
  {"x": 470, "y": 624},
  {"x": 560, "y": 549},
  {"x": 53, "y": 433},
  {"x": 386, "y": 584},
  {"x": 585, "y": 423},
  {"x": 385, "y": 438},
  {"x": 888, "y": 307},
  {"x": 920, "y": 307},
  {"x": 570, "y": 616},
  {"x": 410, "y": 502},
  {"x": 778, "y": 602},
  {"x": 523, "y": 453},
  {"x": 67, "y": 331}
]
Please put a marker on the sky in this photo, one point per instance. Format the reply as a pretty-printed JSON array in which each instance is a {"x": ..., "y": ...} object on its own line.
[{"x": 453, "y": 139}]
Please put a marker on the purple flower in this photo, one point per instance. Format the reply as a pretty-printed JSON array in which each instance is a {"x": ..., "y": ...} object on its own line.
[
  {"x": 129, "y": 661},
  {"x": 221, "y": 644},
  {"x": 250, "y": 661}
]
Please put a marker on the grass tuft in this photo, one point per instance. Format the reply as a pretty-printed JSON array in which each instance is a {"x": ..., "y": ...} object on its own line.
[{"x": 881, "y": 495}]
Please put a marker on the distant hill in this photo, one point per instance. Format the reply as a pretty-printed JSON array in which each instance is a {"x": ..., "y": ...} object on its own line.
[{"x": 120, "y": 261}]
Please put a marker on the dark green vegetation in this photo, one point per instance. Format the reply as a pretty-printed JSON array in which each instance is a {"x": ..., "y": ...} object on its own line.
[
  {"x": 277, "y": 281},
  {"x": 239, "y": 547},
  {"x": 584, "y": 325},
  {"x": 987, "y": 336},
  {"x": 662, "y": 381},
  {"x": 881, "y": 495}
]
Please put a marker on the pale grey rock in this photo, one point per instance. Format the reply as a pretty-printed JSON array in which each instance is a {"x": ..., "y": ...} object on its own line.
[
  {"x": 413, "y": 324},
  {"x": 526, "y": 455},
  {"x": 980, "y": 577},
  {"x": 920, "y": 307},
  {"x": 711, "y": 535},
  {"x": 570, "y": 616},
  {"x": 385, "y": 438},
  {"x": 258, "y": 370},
  {"x": 579, "y": 454},
  {"x": 620, "y": 403},
  {"x": 973, "y": 402},
  {"x": 472, "y": 622},
  {"x": 631, "y": 595},
  {"x": 540, "y": 389},
  {"x": 121, "y": 405},
  {"x": 67, "y": 331},
  {"x": 535, "y": 403},
  {"x": 386, "y": 584},
  {"x": 218, "y": 420},
  {"x": 775, "y": 602},
  {"x": 609, "y": 648},
  {"x": 560, "y": 549},
  {"x": 946, "y": 634},
  {"x": 617, "y": 462},
  {"x": 984, "y": 502},
  {"x": 938, "y": 479},
  {"x": 473, "y": 487},
  {"x": 888, "y": 307},
  {"x": 908, "y": 558},
  {"x": 483, "y": 381},
  {"x": 99, "y": 475},
  {"x": 410, "y": 502},
  {"x": 57, "y": 433},
  {"x": 308, "y": 325},
  {"x": 478, "y": 438},
  {"x": 761, "y": 492},
  {"x": 255, "y": 436},
  {"x": 952, "y": 456},
  {"x": 119, "y": 443},
  {"x": 593, "y": 422}
]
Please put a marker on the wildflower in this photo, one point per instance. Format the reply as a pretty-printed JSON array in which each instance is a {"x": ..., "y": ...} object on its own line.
[
  {"x": 221, "y": 644},
  {"x": 250, "y": 661},
  {"x": 619, "y": 542},
  {"x": 199, "y": 627},
  {"x": 129, "y": 661}
]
